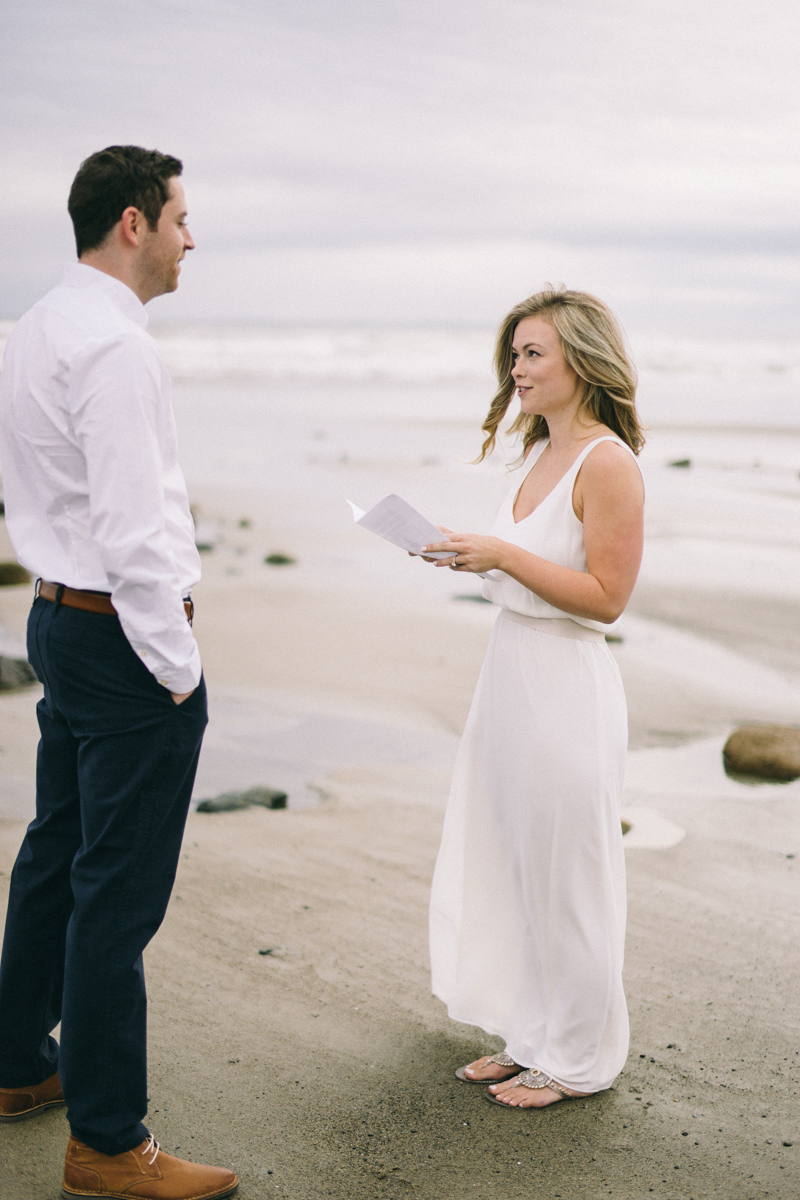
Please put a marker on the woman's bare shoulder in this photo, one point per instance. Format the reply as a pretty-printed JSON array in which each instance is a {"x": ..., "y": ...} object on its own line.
[{"x": 610, "y": 465}]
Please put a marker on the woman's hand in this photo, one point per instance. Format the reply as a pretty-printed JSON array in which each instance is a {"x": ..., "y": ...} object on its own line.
[
  {"x": 471, "y": 552},
  {"x": 419, "y": 554}
]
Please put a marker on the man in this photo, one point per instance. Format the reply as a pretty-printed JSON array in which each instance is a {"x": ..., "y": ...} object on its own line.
[{"x": 97, "y": 509}]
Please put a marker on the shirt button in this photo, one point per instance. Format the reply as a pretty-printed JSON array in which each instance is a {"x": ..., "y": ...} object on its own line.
[
  {"x": 143, "y": 653},
  {"x": 163, "y": 682}
]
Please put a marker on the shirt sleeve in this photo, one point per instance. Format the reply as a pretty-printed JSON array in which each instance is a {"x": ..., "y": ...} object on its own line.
[{"x": 120, "y": 416}]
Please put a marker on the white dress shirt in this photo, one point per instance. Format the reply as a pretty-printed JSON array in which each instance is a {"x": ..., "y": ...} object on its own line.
[{"x": 95, "y": 498}]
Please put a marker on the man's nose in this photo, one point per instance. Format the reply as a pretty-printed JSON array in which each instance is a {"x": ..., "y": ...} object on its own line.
[{"x": 188, "y": 240}]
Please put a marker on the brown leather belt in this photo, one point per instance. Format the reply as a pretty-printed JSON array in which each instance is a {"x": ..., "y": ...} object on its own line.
[{"x": 96, "y": 602}]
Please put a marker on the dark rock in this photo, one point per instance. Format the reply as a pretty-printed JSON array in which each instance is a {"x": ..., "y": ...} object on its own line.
[
  {"x": 615, "y": 638},
  {"x": 626, "y": 827},
  {"x": 681, "y": 462},
  {"x": 265, "y": 797},
  {"x": 15, "y": 673},
  {"x": 763, "y": 752},
  {"x": 12, "y": 573},
  {"x": 245, "y": 523},
  {"x": 279, "y": 560},
  {"x": 472, "y": 596},
  {"x": 271, "y": 950},
  {"x": 261, "y": 797},
  {"x": 204, "y": 547},
  {"x": 227, "y": 802}
]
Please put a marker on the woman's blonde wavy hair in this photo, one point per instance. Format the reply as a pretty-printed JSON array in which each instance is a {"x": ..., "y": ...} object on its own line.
[{"x": 593, "y": 346}]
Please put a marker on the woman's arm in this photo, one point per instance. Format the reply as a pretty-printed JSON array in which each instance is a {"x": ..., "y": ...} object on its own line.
[{"x": 609, "y": 498}]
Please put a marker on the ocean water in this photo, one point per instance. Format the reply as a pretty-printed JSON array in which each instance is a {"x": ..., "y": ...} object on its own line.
[
  {"x": 681, "y": 381},
  {"x": 308, "y": 416}
]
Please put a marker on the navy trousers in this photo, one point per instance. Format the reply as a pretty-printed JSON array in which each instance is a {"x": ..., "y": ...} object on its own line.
[{"x": 115, "y": 769}]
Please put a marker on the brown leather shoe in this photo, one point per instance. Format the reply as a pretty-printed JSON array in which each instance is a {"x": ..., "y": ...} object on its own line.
[
  {"x": 146, "y": 1173},
  {"x": 18, "y": 1103}
]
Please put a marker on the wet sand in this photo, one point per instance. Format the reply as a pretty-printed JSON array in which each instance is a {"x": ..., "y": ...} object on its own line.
[{"x": 324, "y": 1068}]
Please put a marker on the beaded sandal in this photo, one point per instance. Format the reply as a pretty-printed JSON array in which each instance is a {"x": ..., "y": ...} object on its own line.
[
  {"x": 501, "y": 1060},
  {"x": 535, "y": 1079}
]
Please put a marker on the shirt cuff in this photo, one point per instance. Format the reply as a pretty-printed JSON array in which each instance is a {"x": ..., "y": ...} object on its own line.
[{"x": 180, "y": 681}]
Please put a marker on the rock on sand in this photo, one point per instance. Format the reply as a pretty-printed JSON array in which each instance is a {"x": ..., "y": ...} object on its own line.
[{"x": 764, "y": 752}]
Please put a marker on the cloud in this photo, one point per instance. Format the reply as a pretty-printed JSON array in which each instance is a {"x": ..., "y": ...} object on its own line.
[
  {"x": 334, "y": 144},
  {"x": 475, "y": 283}
]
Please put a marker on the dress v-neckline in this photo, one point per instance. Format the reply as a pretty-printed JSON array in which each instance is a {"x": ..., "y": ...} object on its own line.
[{"x": 557, "y": 484}]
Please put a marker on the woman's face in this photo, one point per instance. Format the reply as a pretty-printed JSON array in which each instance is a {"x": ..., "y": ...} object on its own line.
[{"x": 546, "y": 383}]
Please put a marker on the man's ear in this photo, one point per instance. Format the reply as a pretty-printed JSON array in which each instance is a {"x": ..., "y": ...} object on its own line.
[{"x": 132, "y": 224}]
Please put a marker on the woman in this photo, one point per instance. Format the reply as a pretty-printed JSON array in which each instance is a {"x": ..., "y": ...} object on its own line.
[{"x": 528, "y": 898}]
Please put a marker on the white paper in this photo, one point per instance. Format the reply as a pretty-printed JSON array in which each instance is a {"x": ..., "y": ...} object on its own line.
[
  {"x": 358, "y": 513},
  {"x": 397, "y": 522}
]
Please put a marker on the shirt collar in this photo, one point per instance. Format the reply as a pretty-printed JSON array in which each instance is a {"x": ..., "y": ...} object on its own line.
[{"x": 81, "y": 275}]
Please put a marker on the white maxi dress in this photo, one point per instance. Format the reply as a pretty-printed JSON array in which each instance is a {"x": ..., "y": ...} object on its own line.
[{"x": 527, "y": 917}]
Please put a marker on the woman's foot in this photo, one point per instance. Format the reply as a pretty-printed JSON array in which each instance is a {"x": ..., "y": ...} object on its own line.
[
  {"x": 492, "y": 1068},
  {"x": 531, "y": 1089}
]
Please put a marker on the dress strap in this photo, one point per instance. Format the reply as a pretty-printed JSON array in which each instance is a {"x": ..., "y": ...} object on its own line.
[{"x": 607, "y": 437}]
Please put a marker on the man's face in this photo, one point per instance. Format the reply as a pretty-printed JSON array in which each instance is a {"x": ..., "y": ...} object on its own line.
[{"x": 164, "y": 247}]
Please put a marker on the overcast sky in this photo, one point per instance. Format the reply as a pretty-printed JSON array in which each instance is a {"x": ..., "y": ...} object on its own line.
[{"x": 417, "y": 161}]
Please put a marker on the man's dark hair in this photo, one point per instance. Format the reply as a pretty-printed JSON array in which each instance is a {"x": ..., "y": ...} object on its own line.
[{"x": 115, "y": 179}]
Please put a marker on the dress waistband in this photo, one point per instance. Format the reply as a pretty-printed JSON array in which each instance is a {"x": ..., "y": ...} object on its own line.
[{"x": 563, "y": 627}]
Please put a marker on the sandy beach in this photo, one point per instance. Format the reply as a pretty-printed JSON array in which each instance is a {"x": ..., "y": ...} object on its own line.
[
  {"x": 324, "y": 1067},
  {"x": 292, "y": 1030}
]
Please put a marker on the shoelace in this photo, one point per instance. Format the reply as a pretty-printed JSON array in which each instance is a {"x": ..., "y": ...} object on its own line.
[{"x": 153, "y": 1145}]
